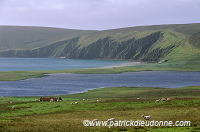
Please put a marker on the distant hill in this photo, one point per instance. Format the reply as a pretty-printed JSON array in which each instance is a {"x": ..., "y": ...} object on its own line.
[
  {"x": 25, "y": 37},
  {"x": 159, "y": 43}
]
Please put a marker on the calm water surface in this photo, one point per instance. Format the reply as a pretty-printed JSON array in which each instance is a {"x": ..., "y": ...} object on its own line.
[
  {"x": 37, "y": 64},
  {"x": 58, "y": 84}
]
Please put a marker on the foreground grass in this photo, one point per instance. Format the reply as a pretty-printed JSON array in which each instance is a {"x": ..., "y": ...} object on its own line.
[{"x": 122, "y": 103}]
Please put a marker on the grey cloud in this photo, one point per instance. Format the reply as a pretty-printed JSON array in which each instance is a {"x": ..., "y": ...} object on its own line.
[{"x": 98, "y": 14}]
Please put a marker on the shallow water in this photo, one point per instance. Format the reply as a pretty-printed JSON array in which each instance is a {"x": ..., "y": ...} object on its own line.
[{"x": 60, "y": 84}]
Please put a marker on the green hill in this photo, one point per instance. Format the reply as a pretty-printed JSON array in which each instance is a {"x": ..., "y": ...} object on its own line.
[
  {"x": 24, "y": 37},
  {"x": 159, "y": 43}
]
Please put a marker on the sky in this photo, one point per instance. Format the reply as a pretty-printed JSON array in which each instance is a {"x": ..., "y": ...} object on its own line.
[{"x": 98, "y": 14}]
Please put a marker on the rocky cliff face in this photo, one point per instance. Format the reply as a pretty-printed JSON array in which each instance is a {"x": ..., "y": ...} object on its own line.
[{"x": 106, "y": 48}]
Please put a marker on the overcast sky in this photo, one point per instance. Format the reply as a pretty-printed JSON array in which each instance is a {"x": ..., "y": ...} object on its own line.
[{"x": 98, "y": 14}]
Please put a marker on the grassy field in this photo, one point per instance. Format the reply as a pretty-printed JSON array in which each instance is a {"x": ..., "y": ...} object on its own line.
[{"x": 121, "y": 103}]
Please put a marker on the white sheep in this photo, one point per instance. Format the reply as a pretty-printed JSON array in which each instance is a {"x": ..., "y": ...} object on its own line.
[
  {"x": 146, "y": 117},
  {"x": 168, "y": 99},
  {"x": 158, "y": 100},
  {"x": 51, "y": 100},
  {"x": 163, "y": 99},
  {"x": 85, "y": 99},
  {"x": 74, "y": 103},
  {"x": 98, "y": 100}
]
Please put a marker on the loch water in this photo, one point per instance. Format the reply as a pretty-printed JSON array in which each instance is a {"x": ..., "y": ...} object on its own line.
[
  {"x": 62, "y": 84},
  {"x": 38, "y": 64}
]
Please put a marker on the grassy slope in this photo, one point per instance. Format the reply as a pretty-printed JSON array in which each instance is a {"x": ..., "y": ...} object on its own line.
[
  {"x": 180, "y": 35},
  {"x": 183, "y": 58},
  {"x": 24, "y": 37},
  {"x": 176, "y": 40},
  {"x": 123, "y": 34},
  {"x": 118, "y": 102}
]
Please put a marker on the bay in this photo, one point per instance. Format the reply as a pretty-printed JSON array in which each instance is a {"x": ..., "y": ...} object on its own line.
[
  {"x": 63, "y": 84},
  {"x": 38, "y": 64}
]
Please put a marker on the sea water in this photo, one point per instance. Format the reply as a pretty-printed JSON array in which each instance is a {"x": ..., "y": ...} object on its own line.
[
  {"x": 37, "y": 64},
  {"x": 65, "y": 83}
]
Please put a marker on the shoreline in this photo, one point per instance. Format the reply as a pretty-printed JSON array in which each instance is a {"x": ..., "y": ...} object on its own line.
[{"x": 122, "y": 65}]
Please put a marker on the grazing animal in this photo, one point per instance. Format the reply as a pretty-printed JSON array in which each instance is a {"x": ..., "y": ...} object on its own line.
[
  {"x": 146, "y": 117},
  {"x": 163, "y": 99},
  {"x": 74, "y": 103},
  {"x": 98, "y": 100},
  {"x": 158, "y": 100},
  {"x": 51, "y": 100},
  {"x": 85, "y": 99},
  {"x": 168, "y": 99}
]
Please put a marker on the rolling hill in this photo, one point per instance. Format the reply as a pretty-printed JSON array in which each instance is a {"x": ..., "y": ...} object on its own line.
[
  {"x": 158, "y": 43},
  {"x": 24, "y": 37}
]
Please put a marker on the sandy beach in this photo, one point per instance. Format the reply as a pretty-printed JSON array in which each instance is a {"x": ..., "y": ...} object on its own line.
[{"x": 123, "y": 65}]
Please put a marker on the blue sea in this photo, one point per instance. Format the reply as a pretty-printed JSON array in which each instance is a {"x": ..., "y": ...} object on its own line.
[{"x": 37, "y": 64}]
